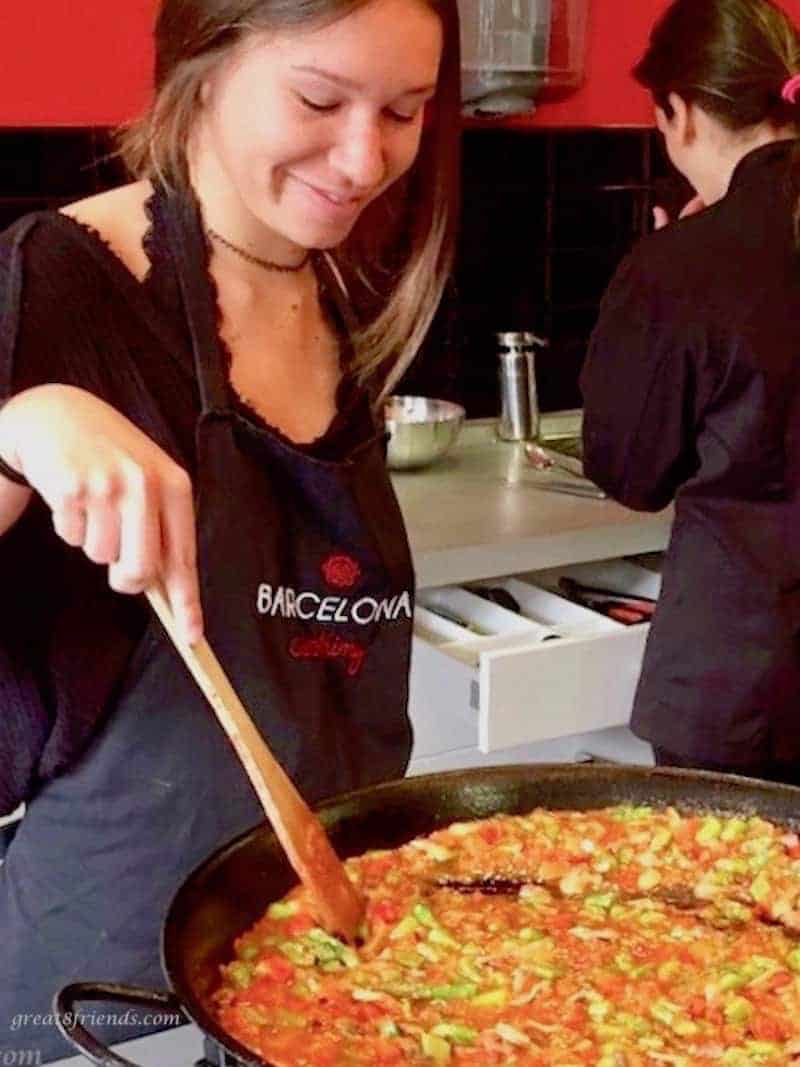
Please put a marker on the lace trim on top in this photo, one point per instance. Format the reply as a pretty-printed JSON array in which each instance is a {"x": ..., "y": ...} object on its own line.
[
  {"x": 163, "y": 286},
  {"x": 96, "y": 236}
]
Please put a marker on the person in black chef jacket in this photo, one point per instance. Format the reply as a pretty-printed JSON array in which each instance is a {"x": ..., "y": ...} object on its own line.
[
  {"x": 193, "y": 366},
  {"x": 691, "y": 392}
]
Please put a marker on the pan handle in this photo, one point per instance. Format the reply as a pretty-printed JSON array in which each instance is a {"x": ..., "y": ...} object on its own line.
[{"x": 68, "y": 1017}]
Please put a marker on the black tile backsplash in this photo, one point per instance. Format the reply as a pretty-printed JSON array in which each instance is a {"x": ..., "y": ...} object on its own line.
[
  {"x": 605, "y": 157},
  {"x": 547, "y": 217},
  {"x": 595, "y": 218},
  {"x": 55, "y": 164}
]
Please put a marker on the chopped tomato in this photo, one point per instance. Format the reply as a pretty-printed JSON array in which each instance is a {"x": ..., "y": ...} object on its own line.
[
  {"x": 715, "y": 1015},
  {"x": 697, "y": 1007},
  {"x": 778, "y": 981},
  {"x": 561, "y": 921},
  {"x": 645, "y": 952},
  {"x": 387, "y": 1054},
  {"x": 375, "y": 867},
  {"x": 612, "y": 985},
  {"x": 686, "y": 832},
  {"x": 386, "y": 911},
  {"x": 767, "y": 1028},
  {"x": 366, "y": 1012},
  {"x": 299, "y": 924},
  {"x": 280, "y": 969},
  {"x": 577, "y": 1017}
]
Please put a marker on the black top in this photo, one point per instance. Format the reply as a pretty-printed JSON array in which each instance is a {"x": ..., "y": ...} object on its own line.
[
  {"x": 691, "y": 393},
  {"x": 73, "y": 313}
]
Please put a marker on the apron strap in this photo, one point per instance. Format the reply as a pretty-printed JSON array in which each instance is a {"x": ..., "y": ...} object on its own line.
[{"x": 183, "y": 222}]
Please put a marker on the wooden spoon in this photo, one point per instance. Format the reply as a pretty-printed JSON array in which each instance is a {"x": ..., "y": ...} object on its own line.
[{"x": 338, "y": 905}]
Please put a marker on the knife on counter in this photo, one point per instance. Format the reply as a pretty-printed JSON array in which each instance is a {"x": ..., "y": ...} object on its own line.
[{"x": 585, "y": 489}]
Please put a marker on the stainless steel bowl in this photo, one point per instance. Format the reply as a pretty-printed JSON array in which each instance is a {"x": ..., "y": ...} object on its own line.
[{"x": 420, "y": 429}]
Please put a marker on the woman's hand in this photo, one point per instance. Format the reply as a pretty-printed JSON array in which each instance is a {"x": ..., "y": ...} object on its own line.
[
  {"x": 694, "y": 207},
  {"x": 112, "y": 491}
]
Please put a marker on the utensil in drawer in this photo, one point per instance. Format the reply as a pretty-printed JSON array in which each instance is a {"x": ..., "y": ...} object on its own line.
[
  {"x": 627, "y": 608},
  {"x": 451, "y": 616},
  {"x": 337, "y": 903},
  {"x": 495, "y": 594},
  {"x": 639, "y": 600}
]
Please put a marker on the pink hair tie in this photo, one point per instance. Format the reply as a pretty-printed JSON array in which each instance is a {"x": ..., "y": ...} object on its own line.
[{"x": 790, "y": 89}]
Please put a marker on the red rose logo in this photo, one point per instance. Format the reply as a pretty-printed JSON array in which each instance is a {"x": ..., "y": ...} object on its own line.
[{"x": 340, "y": 571}]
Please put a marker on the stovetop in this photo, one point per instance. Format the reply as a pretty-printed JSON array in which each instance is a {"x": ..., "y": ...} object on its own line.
[
  {"x": 182, "y": 1046},
  {"x": 215, "y": 1056}
]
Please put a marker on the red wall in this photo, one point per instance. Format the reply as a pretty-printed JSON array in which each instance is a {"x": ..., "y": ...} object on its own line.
[
  {"x": 617, "y": 36},
  {"x": 88, "y": 62},
  {"x": 73, "y": 62}
]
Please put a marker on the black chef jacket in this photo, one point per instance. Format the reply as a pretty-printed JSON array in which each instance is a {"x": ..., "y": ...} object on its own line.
[{"x": 691, "y": 394}]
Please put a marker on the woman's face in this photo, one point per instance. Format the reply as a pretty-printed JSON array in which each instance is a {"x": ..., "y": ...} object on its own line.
[{"x": 301, "y": 129}]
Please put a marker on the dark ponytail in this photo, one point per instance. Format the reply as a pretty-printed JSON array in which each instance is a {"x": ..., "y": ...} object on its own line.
[{"x": 732, "y": 58}]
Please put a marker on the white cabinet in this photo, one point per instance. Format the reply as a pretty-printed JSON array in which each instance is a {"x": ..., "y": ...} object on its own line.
[
  {"x": 556, "y": 681},
  {"x": 550, "y": 682}
]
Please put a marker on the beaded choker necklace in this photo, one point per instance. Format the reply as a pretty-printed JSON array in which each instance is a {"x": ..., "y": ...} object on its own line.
[{"x": 265, "y": 264}]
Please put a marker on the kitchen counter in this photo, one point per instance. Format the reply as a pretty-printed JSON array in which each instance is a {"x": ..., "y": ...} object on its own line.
[
  {"x": 478, "y": 513},
  {"x": 483, "y": 512}
]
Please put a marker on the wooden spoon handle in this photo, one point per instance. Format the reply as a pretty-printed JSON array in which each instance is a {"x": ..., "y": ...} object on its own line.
[
  {"x": 265, "y": 773},
  {"x": 338, "y": 904}
]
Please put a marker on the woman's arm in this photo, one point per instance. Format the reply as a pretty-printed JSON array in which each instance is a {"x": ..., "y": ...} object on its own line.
[{"x": 112, "y": 491}]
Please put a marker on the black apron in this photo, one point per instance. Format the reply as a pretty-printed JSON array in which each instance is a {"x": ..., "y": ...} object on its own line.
[{"x": 307, "y": 589}]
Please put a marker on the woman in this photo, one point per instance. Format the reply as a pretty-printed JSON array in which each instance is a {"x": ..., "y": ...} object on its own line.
[
  {"x": 691, "y": 393},
  {"x": 203, "y": 350}
]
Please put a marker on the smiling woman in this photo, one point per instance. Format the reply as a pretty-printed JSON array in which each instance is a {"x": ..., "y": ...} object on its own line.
[
  {"x": 298, "y": 172},
  {"x": 345, "y": 140},
  {"x": 312, "y": 117},
  {"x": 191, "y": 384}
]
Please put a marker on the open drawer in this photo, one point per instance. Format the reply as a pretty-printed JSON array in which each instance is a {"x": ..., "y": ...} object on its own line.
[{"x": 495, "y": 677}]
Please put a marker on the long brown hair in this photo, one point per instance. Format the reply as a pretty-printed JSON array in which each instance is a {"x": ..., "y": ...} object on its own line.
[
  {"x": 732, "y": 58},
  {"x": 398, "y": 257}
]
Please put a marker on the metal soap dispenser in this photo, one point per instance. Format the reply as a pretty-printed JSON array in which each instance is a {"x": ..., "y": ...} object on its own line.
[{"x": 519, "y": 404}]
